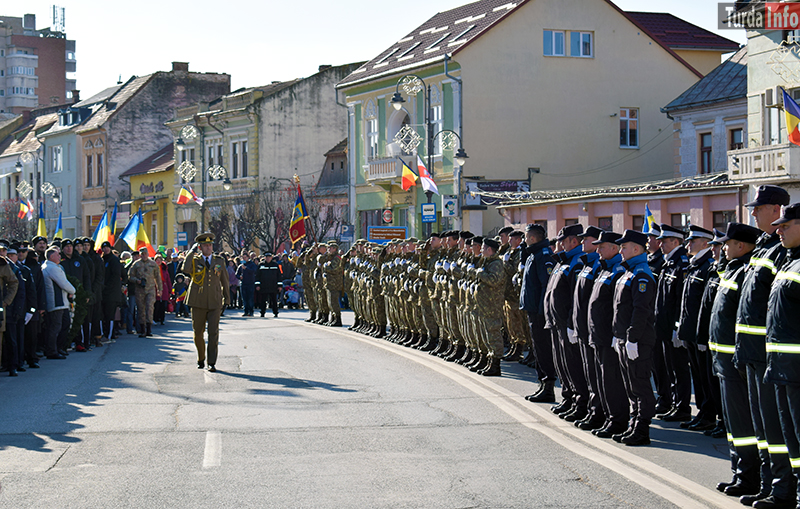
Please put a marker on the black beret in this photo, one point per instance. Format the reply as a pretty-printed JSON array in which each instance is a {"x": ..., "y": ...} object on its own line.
[
  {"x": 435, "y": 234},
  {"x": 506, "y": 230},
  {"x": 475, "y": 240},
  {"x": 491, "y": 243},
  {"x": 516, "y": 233},
  {"x": 466, "y": 235}
]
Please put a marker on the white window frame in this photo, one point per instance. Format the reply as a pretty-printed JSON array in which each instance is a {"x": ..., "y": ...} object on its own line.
[
  {"x": 56, "y": 159},
  {"x": 553, "y": 34},
  {"x": 372, "y": 130},
  {"x": 581, "y": 53},
  {"x": 624, "y": 115},
  {"x": 437, "y": 120}
]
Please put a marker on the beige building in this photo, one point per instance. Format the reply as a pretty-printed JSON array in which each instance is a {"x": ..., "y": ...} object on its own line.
[{"x": 546, "y": 95}]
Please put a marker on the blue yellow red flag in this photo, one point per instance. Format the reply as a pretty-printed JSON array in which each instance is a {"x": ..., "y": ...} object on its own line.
[
  {"x": 649, "y": 220},
  {"x": 41, "y": 230},
  {"x": 792, "y": 111}
]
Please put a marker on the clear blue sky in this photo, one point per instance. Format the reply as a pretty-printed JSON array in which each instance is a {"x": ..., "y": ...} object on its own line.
[{"x": 258, "y": 41}]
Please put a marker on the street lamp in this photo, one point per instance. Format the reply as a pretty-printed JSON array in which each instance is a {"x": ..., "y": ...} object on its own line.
[
  {"x": 407, "y": 137},
  {"x": 188, "y": 132}
]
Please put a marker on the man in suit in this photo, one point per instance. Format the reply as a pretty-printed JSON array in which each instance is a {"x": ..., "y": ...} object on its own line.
[{"x": 207, "y": 294}]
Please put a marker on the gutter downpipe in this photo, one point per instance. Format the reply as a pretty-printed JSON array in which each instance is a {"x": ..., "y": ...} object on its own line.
[{"x": 457, "y": 176}]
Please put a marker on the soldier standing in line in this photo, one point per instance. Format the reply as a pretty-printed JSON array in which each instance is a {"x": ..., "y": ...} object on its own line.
[
  {"x": 655, "y": 258},
  {"x": 147, "y": 276},
  {"x": 333, "y": 276},
  {"x": 307, "y": 275},
  {"x": 515, "y": 319},
  {"x": 490, "y": 287},
  {"x": 208, "y": 293},
  {"x": 318, "y": 259}
]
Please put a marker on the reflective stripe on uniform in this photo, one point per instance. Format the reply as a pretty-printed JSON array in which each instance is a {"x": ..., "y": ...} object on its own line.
[
  {"x": 792, "y": 276},
  {"x": 783, "y": 348},
  {"x": 778, "y": 449},
  {"x": 762, "y": 444},
  {"x": 729, "y": 284},
  {"x": 763, "y": 262},
  {"x": 744, "y": 441},
  {"x": 751, "y": 329},
  {"x": 716, "y": 347},
  {"x": 795, "y": 462}
]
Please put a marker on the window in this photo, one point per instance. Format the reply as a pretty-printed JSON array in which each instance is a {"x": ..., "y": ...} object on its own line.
[
  {"x": 235, "y": 160},
  {"x": 737, "y": 139},
  {"x": 791, "y": 36},
  {"x": 605, "y": 223},
  {"x": 554, "y": 43},
  {"x": 341, "y": 165},
  {"x": 56, "y": 159},
  {"x": 637, "y": 223},
  {"x": 629, "y": 128},
  {"x": 706, "y": 163},
  {"x": 244, "y": 159},
  {"x": 99, "y": 169},
  {"x": 210, "y": 156},
  {"x": 372, "y": 138},
  {"x": 164, "y": 225},
  {"x": 89, "y": 170},
  {"x": 580, "y": 44},
  {"x": 568, "y": 222},
  {"x": 437, "y": 121},
  {"x": 722, "y": 218},
  {"x": 679, "y": 220},
  {"x": 333, "y": 166}
]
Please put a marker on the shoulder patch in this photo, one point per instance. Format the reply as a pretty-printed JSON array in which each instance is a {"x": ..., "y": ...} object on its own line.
[
  {"x": 549, "y": 270},
  {"x": 77, "y": 263},
  {"x": 642, "y": 286}
]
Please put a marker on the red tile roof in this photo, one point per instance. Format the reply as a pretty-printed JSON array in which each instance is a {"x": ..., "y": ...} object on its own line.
[
  {"x": 676, "y": 33},
  {"x": 160, "y": 161}
]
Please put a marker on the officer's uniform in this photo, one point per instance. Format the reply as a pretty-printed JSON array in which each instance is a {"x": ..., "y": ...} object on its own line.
[{"x": 208, "y": 292}]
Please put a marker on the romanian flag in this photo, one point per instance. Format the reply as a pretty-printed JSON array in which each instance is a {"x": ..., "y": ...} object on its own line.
[
  {"x": 41, "y": 230},
  {"x": 180, "y": 296},
  {"x": 23, "y": 209},
  {"x": 297, "y": 228},
  {"x": 184, "y": 196},
  {"x": 101, "y": 233},
  {"x": 112, "y": 226},
  {"x": 409, "y": 178},
  {"x": 135, "y": 234},
  {"x": 649, "y": 220},
  {"x": 59, "y": 228},
  {"x": 425, "y": 177},
  {"x": 792, "y": 118}
]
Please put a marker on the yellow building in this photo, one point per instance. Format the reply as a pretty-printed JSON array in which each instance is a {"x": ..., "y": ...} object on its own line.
[{"x": 152, "y": 190}]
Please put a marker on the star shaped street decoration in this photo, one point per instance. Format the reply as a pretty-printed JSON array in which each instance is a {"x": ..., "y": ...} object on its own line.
[{"x": 407, "y": 138}]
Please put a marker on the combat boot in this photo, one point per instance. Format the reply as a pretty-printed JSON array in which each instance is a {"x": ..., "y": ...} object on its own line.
[
  {"x": 356, "y": 325},
  {"x": 514, "y": 354},
  {"x": 149, "y": 331},
  {"x": 428, "y": 345},
  {"x": 640, "y": 436},
  {"x": 563, "y": 407},
  {"x": 442, "y": 346},
  {"x": 337, "y": 322},
  {"x": 493, "y": 369},
  {"x": 529, "y": 359},
  {"x": 311, "y": 318},
  {"x": 468, "y": 357},
  {"x": 423, "y": 338},
  {"x": 545, "y": 394},
  {"x": 380, "y": 331},
  {"x": 456, "y": 353},
  {"x": 483, "y": 361},
  {"x": 142, "y": 331},
  {"x": 322, "y": 318}
]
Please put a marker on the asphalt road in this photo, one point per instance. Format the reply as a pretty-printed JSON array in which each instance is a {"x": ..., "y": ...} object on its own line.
[{"x": 302, "y": 415}]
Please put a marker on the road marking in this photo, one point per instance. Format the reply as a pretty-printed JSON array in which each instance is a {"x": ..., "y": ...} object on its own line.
[
  {"x": 207, "y": 378},
  {"x": 635, "y": 468},
  {"x": 212, "y": 456}
]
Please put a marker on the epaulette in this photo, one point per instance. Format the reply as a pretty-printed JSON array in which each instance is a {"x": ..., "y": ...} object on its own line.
[{"x": 546, "y": 250}]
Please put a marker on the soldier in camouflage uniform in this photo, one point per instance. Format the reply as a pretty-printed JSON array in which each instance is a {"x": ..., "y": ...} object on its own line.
[
  {"x": 491, "y": 283},
  {"x": 333, "y": 274},
  {"x": 516, "y": 321},
  {"x": 307, "y": 275},
  {"x": 317, "y": 261},
  {"x": 145, "y": 273}
]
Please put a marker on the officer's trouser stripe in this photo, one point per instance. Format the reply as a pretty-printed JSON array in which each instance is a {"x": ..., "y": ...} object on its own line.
[
  {"x": 795, "y": 462},
  {"x": 762, "y": 444},
  {"x": 778, "y": 449},
  {"x": 743, "y": 441},
  {"x": 783, "y": 348}
]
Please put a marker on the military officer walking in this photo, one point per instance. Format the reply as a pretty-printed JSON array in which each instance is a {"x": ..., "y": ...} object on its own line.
[
  {"x": 147, "y": 276},
  {"x": 207, "y": 294}
]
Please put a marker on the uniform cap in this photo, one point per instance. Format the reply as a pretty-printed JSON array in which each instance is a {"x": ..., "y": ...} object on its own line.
[
  {"x": 606, "y": 236},
  {"x": 506, "y": 230},
  {"x": 770, "y": 195},
  {"x": 591, "y": 231},
  {"x": 79, "y": 240},
  {"x": 37, "y": 239},
  {"x": 412, "y": 240},
  {"x": 491, "y": 243},
  {"x": 66, "y": 242},
  {"x": 205, "y": 238},
  {"x": 105, "y": 244},
  {"x": 435, "y": 234},
  {"x": 717, "y": 235},
  {"x": 741, "y": 232},
  {"x": 88, "y": 240},
  {"x": 789, "y": 213},
  {"x": 572, "y": 230},
  {"x": 654, "y": 230},
  {"x": 143, "y": 250},
  {"x": 267, "y": 254},
  {"x": 670, "y": 231},
  {"x": 696, "y": 232},
  {"x": 12, "y": 249},
  {"x": 333, "y": 243},
  {"x": 466, "y": 235},
  {"x": 516, "y": 233},
  {"x": 633, "y": 236}
]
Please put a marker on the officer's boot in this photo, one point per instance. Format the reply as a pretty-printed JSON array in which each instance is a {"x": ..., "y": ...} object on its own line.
[
  {"x": 483, "y": 361},
  {"x": 640, "y": 435},
  {"x": 356, "y": 324},
  {"x": 312, "y": 317},
  {"x": 441, "y": 347},
  {"x": 547, "y": 393},
  {"x": 149, "y": 331},
  {"x": 142, "y": 331},
  {"x": 465, "y": 359},
  {"x": 338, "y": 321},
  {"x": 493, "y": 368}
]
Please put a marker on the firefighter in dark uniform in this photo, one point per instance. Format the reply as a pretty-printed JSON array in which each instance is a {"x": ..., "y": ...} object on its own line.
[
  {"x": 600, "y": 312},
  {"x": 739, "y": 240},
  {"x": 595, "y": 417},
  {"x": 634, "y": 335},
  {"x": 702, "y": 257},
  {"x": 655, "y": 259},
  {"x": 558, "y": 300},
  {"x": 783, "y": 336},
  {"x": 751, "y": 356},
  {"x": 671, "y": 360},
  {"x": 538, "y": 261}
]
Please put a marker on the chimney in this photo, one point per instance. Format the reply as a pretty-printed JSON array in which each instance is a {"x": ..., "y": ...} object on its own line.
[
  {"x": 26, "y": 116},
  {"x": 29, "y": 21},
  {"x": 180, "y": 66},
  {"x": 324, "y": 67},
  {"x": 76, "y": 96}
]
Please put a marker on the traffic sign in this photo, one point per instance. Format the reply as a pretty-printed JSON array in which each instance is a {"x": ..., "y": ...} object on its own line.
[
  {"x": 388, "y": 216},
  {"x": 183, "y": 239},
  {"x": 383, "y": 234},
  {"x": 348, "y": 233},
  {"x": 428, "y": 212}
]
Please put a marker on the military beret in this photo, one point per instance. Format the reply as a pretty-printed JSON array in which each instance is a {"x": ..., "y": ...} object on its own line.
[
  {"x": 670, "y": 231},
  {"x": 570, "y": 231},
  {"x": 506, "y": 230},
  {"x": 105, "y": 244},
  {"x": 606, "y": 236},
  {"x": 466, "y": 235},
  {"x": 38, "y": 239},
  {"x": 56, "y": 242},
  {"x": 741, "y": 232},
  {"x": 770, "y": 195},
  {"x": 516, "y": 233},
  {"x": 789, "y": 213},
  {"x": 475, "y": 240},
  {"x": 56, "y": 239},
  {"x": 696, "y": 232},
  {"x": 435, "y": 234},
  {"x": 633, "y": 236},
  {"x": 205, "y": 238},
  {"x": 412, "y": 240},
  {"x": 491, "y": 243},
  {"x": 591, "y": 231},
  {"x": 453, "y": 234}
]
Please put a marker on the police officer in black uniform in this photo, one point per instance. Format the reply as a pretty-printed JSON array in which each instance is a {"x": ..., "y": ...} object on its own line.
[
  {"x": 634, "y": 335},
  {"x": 654, "y": 258}
]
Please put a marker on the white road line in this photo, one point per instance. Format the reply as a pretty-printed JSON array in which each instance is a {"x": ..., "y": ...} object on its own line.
[
  {"x": 207, "y": 378},
  {"x": 212, "y": 456},
  {"x": 635, "y": 468}
]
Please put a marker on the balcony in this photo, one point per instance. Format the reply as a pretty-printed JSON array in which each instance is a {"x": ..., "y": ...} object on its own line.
[
  {"x": 384, "y": 170},
  {"x": 767, "y": 163}
]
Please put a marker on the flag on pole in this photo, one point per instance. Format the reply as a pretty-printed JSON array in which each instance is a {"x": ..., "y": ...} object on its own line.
[
  {"x": 297, "y": 227},
  {"x": 195, "y": 197},
  {"x": 425, "y": 177},
  {"x": 30, "y": 209},
  {"x": 135, "y": 234},
  {"x": 112, "y": 226},
  {"x": 792, "y": 111},
  {"x": 23, "y": 209},
  {"x": 409, "y": 178},
  {"x": 184, "y": 196},
  {"x": 41, "y": 230},
  {"x": 649, "y": 220},
  {"x": 100, "y": 234},
  {"x": 59, "y": 228}
]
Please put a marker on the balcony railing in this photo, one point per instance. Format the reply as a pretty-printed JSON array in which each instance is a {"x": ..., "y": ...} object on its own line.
[
  {"x": 384, "y": 169},
  {"x": 771, "y": 162}
]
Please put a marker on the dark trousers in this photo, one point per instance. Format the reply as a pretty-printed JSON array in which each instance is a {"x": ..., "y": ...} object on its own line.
[
  {"x": 52, "y": 328},
  {"x": 20, "y": 333},
  {"x": 97, "y": 317},
  {"x": 248, "y": 297},
  {"x": 561, "y": 369},
  {"x": 542, "y": 348},
  {"x": 159, "y": 311},
  {"x": 11, "y": 345},
  {"x": 573, "y": 365},
  {"x": 32, "y": 330},
  {"x": 704, "y": 395},
  {"x": 109, "y": 313},
  {"x": 776, "y": 470},
  {"x": 788, "y": 401},
  {"x": 745, "y": 462},
  {"x": 62, "y": 341},
  {"x": 672, "y": 374},
  {"x": 612, "y": 387},
  {"x": 590, "y": 374},
  {"x": 85, "y": 338},
  {"x": 272, "y": 298},
  {"x": 636, "y": 377}
]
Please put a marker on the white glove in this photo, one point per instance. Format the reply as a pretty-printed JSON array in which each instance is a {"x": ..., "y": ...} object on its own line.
[
  {"x": 633, "y": 350},
  {"x": 702, "y": 348},
  {"x": 572, "y": 336},
  {"x": 616, "y": 343},
  {"x": 506, "y": 257},
  {"x": 28, "y": 317},
  {"x": 676, "y": 343}
]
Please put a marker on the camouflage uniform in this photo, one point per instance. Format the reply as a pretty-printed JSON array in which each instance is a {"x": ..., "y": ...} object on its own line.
[{"x": 147, "y": 271}]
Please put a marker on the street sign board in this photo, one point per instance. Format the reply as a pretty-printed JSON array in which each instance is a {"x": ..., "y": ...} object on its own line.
[
  {"x": 348, "y": 233},
  {"x": 449, "y": 205},
  {"x": 383, "y": 234},
  {"x": 428, "y": 212},
  {"x": 183, "y": 238},
  {"x": 387, "y": 216}
]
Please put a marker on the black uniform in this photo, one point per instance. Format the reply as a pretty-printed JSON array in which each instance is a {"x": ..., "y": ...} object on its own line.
[
  {"x": 112, "y": 290},
  {"x": 656, "y": 262},
  {"x": 634, "y": 322},
  {"x": 97, "y": 290},
  {"x": 31, "y": 301},
  {"x": 745, "y": 461},
  {"x": 33, "y": 328},
  {"x": 671, "y": 365},
  {"x": 539, "y": 265},
  {"x": 580, "y": 317},
  {"x": 708, "y": 379},
  {"x": 78, "y": 267},
  {"x": 267, "y": 278},
  {"x": 15, "y": 324}
]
